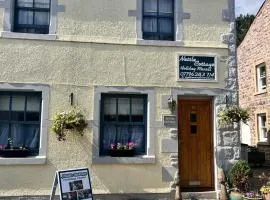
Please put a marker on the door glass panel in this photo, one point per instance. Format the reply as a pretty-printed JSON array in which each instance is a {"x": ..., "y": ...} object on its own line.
[
  {"x": 193, "y": 129},
  {"x": 193, "y": 117}
]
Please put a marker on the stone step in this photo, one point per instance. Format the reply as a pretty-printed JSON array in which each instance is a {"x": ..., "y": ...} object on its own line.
[{"x": 210, "y": 195}]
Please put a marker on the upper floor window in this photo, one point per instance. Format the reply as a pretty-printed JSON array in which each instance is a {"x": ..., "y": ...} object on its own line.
[
  {"x": 32, "y": 16},
  {"x": 123, "y": 121},
  {"x": 261, "y": 77},
  {"x": 158, "y": 19},
  {"x": 262, "y": 129},
  {"x": 20, "y": 119}
]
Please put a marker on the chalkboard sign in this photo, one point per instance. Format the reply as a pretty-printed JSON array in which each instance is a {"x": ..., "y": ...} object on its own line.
[{"x": 197, "y": 67}]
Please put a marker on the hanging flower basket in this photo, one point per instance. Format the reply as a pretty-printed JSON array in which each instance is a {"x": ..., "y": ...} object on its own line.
[
  {"x": 232, "y": 114},
  {"x": 72, "y": 120}
]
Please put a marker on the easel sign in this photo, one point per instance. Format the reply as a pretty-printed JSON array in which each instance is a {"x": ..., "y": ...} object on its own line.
[{"x": 74, "y": 184}]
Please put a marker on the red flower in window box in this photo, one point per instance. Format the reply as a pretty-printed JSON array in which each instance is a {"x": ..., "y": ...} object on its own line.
[{"x": 122, "y": 150}]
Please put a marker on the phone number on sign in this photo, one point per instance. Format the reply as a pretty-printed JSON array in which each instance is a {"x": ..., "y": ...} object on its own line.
[{"x": 197, "y": 75}]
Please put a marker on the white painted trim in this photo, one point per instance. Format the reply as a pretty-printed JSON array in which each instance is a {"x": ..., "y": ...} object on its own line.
[
  {"x": 164, "y": 43},
  {"x": 217, "y": 60},
  {"x": 151, "y": 129},
  {"x": 37, "y": 160},
  {"x": 29, "y": 36},
  {"x": 43, "y": 125}
]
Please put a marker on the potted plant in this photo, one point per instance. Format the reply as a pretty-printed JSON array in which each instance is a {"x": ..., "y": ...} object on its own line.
[
  {"x": 122, "y": 150},
  {"x": 265, "y": 190},
  {"x": 232, "y": 114},
  {"x": 239, "y": 176},
  {"x": 71, "y": 120},
  {"x": 10, "y": 151}
]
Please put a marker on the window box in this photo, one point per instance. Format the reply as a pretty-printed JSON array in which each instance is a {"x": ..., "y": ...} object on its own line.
[
  {"x": 14, "y": 153},
  {"x": 122, "y": 152}
]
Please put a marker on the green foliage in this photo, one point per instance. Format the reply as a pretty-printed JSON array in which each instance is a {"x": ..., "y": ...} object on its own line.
[
  {"x": 72, "y": 120},
  {"x": 239, "y": 175},
  {"x": 229, "y": 115},
  {"x": 243, "y": 23}
]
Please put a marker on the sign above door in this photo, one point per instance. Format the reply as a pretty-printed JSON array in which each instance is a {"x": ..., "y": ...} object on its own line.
[{"x": 195, "y": 67}]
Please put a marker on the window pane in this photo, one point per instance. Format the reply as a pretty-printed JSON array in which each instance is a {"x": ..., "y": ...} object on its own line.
[
  {"x": 150, "y": 25},
  {"x": 109, "y": 137},
  {"x": 25, "y": 135},
  {"x": 25, "y": 3},
  {"x": 263, "y": 82},
  {"x": 33, "y": 108},
  {"x": 150, "y": 6},
  {"x": 110, "y": 109},
  {"x": 42, "y": 18},
  {"x": 25, "y": 17},
  {"x": 262, "y": 71},
  {"x": 42, "y": 3},
  {"x": 17, "y": 108},
  {"x": 122, "y": 134},
  {"x": 33, "y": 103},
  {"x": 4, "y": 102},
  {"x": 137, "y": 109},
  {"x": 165, "y": 26},
  {"x": 137, "y": 137},
  {"x": 123, "y": 109},
  {"x": 3, "y": 135},
  {"x": 18, "y": 103},
  {"x": 4, "y": 107},
  {"x": 165, "y": 6}
]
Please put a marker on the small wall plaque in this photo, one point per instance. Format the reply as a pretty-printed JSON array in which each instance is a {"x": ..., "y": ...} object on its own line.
[{"x": 169, "y": 121}]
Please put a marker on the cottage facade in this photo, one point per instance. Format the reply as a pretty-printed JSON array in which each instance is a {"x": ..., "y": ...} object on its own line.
[
  {"x": 253, "y": 71},
  {"x": 121, "y": 61}
]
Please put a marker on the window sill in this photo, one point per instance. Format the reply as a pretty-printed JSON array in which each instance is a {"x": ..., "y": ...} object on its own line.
[
  {"x": 27, "y": 36},
  {"x": 263, "y": 143},
  {"x": 260, "y": 92},
  {"x": 160, "y": 43},
  {"x": 38, "y": 160},
  {"x": 125, "y": 160}
]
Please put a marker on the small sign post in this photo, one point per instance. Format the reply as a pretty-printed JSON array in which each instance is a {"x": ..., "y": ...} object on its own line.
[
  {"x": 197, "y": 67},
  {"x": 73, "y": 184}
]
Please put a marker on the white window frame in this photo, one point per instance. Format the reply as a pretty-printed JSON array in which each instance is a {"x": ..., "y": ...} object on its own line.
[
  {"x": 149, "y": 158},
  {"x": 262, "y": 127},
  {"x": 259, "y": 79},
  {"x": 44, "y": 89},
  {"x": 9, "y": 6}
]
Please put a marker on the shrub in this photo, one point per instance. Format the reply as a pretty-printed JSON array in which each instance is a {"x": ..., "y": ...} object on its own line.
[{"x": 239, "y": 175}]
